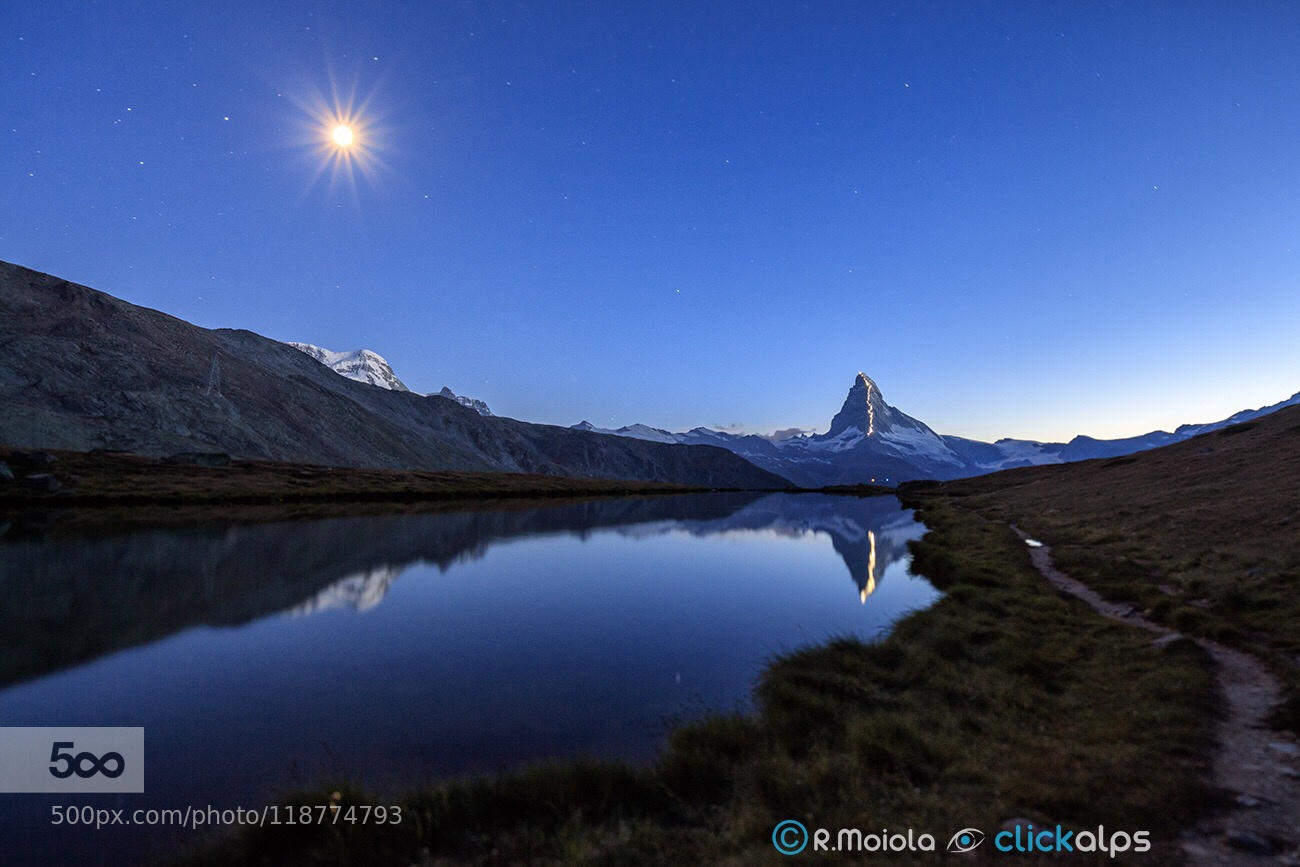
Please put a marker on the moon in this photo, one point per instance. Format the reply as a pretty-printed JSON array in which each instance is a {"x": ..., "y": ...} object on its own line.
[{"x": 345, "y": 138}]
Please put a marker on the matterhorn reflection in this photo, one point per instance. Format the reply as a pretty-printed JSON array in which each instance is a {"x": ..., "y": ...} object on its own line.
[
  {"x": 868, "y": 588},
  {"x": 869, "y": 534}
]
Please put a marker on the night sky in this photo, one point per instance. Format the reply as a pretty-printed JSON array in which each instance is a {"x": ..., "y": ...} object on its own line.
[{"x": 1024, "y": 219}]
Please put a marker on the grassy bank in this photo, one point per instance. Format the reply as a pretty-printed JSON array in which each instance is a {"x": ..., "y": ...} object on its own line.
[
  {"x": 1002, "y": 700},
  {"x": 109, "y": 479},
  {"x": 1203, "y": 536}
]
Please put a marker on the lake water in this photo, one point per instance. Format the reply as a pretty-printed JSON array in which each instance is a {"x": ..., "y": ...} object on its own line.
[{"x": 393, "y": 650}]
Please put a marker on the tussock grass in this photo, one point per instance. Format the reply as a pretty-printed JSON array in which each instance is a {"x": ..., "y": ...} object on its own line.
[
  {"x": 1203, "y": 535},
  {"x": 111, "y": 479}
]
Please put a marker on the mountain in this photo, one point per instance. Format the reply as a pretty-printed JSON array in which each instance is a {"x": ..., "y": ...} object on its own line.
[
  {"x": 468, "y": 402},
  {"x": 360, "y": 364},
  {"x": 635, "y": 431},
  {"x": 371, "y": 368},
  {"x": 80, "y": 370},
  {"x": 1009, "y": 453},
  {"x": 868, "y": 441},
  {"x": 868, "y": 427},
  {"x": 871, "y": 441}
]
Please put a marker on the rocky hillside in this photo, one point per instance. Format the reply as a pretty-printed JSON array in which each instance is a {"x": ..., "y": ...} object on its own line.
[{"x": 80, "y": 370}]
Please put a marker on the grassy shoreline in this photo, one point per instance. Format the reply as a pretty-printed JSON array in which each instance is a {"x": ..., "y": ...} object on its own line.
[
  {"x": 1004, "y": 699},
  {"x": 110, "y": 479},
  {"x": 1202, "y": 536},
  {"x": 100, "y": 479},
  {"x": 101, "y": 490}
]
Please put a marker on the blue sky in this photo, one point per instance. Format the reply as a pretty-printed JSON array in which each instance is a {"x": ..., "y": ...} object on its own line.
[{"x": 1021, "y": 219}]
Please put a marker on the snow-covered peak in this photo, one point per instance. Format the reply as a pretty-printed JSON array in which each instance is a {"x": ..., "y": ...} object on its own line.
[
  {"x": 370, "y": 367},
  {"x": 847, "y": 438},
  {"x": 470, "y": 402},
  {"x": 864, "y": 408},
  {"x": 632, "y": 431},
  {"x": 866, "y": 421},
  {"x": 359, "y": 364},
  {"x": 1191, "y": 430},
  {"x": 645, "y": 432}
]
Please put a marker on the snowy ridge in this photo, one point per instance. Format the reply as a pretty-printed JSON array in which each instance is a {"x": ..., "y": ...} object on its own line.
[
  {"x": 868, "y": 441},
  {"x": 1023, "y": 452},
  {"x": 471, "y": 402},
  {"x": 924, "y": 443},
  {"x": 369, "y": 367},
  {"x": 359, "y": 364},
  {"x": 636, "y": 432},
  {"x": 871, "y": 441},
  {"x": 845, "y": 439},
  {"x": 1191, "y": 430}
]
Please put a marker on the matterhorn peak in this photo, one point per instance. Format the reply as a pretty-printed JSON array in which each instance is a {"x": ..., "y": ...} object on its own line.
[{"x": 864, "y": 408}]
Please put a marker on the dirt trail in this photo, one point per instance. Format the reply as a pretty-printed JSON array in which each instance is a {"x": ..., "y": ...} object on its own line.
[{"x": 1258, "y": 766}]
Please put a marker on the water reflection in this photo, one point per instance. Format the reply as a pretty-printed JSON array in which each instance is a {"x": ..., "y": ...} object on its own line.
[
  {"x": 66, "y": 601},
  {"x": 359, "y": 592},
  {"x": 869, "y": 587}
]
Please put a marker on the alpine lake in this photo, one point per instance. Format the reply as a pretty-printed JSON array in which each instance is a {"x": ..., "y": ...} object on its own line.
[{"x": 398, "y": 649}]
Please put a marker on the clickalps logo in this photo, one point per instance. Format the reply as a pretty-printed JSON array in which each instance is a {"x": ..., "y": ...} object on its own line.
[{"x": 1025, "y": 839}]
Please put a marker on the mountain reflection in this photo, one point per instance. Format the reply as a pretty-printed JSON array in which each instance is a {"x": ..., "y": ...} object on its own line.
[
  {"x": 65, "y": 601},
  {"x": 869, "y": 534},
  {"x": 869, "y": 587},
  {"x": 359, "y": 592}
]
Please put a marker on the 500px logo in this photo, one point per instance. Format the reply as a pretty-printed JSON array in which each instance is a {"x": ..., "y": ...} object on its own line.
[
  {"x": 71, "y": 759},
  {"x": 83, "y": 764}
]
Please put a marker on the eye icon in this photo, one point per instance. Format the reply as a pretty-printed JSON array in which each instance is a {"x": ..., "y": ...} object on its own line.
[{"x": 966, "y": 840}]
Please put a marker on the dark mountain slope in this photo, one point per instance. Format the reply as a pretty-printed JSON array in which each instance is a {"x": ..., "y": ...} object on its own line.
[{"x": 80, "y": 369}]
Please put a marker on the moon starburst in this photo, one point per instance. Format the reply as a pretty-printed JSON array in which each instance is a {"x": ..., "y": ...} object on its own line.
[{"x": 345, "y": 135}]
